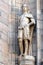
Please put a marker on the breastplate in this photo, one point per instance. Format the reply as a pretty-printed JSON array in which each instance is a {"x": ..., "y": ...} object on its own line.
[{"x": 24, "y": 21}]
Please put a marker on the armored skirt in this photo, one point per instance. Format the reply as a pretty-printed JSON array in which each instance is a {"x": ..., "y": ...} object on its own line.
[{"x": 24, "y": 33}]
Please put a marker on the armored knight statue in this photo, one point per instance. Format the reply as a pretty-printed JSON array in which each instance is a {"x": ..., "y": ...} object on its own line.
[{"x": 24, "y": 32}]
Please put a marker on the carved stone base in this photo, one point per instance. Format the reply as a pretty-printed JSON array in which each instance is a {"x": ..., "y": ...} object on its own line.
[{"x": 27, "y": 60}]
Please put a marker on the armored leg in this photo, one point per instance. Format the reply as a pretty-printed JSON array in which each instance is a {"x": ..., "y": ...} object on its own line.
[
  {"x": 26, "y": 46},
  {"x": 21, "y": 46},
  {"x": 20, "y": 39},
  {"x": 26, "y": 39}
]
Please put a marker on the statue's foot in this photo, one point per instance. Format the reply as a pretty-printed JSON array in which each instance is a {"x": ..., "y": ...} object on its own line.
[
  {"x": 20, "y": 57},
  {"x": 25, "y": 54}
]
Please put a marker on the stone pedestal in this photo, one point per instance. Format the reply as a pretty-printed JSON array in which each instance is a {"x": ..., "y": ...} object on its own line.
[{"x": 27, "y": 60}]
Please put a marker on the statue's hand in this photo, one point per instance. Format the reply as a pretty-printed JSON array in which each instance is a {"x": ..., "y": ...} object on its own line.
[{"x": 27, "y": 25}]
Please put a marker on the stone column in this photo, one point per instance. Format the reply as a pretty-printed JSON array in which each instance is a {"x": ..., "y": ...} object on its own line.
[
  {"x": 39, "y": 29},
  {"x": 5, "y": 9}
]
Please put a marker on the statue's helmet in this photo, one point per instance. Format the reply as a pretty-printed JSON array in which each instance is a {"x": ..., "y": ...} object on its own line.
[{"x": 25, "y": 7}]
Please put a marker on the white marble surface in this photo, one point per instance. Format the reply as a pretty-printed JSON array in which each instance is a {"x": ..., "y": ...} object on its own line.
[{"x": 27, "y": 60}]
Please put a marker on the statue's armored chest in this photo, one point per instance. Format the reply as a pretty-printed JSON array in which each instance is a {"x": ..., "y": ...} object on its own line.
[{"x": 24, "y": 21}]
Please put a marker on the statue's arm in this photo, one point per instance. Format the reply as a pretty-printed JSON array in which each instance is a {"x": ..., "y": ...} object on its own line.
[
  {"x": 31, "y": 19},
  {"x": 32, "y": 22}
]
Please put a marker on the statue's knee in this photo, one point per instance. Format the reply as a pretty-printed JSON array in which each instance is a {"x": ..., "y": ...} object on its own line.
[{"x": 20, "y": 40}]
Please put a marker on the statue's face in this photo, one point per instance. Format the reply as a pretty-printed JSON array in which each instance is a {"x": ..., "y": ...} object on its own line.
[{"x": 25, "y": 8}]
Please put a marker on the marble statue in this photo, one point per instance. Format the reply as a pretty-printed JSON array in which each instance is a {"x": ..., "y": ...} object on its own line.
[{"x": 25, "y": 30}]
